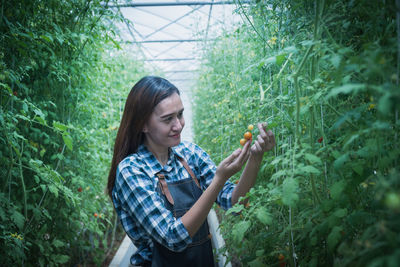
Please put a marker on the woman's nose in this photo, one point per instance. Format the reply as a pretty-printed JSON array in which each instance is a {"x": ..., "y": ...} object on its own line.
[{"x": 178, "y": 125}]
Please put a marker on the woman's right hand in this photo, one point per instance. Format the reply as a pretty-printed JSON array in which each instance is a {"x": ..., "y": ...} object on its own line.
[{"x": 234, "y": 162}]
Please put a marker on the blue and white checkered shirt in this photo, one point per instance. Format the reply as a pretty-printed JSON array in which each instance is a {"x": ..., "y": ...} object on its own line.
[{"x": 141, "y": 209}]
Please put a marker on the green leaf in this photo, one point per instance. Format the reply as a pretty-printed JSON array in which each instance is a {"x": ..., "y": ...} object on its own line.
[
  {"x": 39, "y": 113},
  {"x": 289, "y": 192},
  {"x": 18, "y": 219},
  {"x": 264, "y": 216},
  {"x": 235, "y": 209},
  {"x": 53, "y": 189},
  {"x": 336, "y": 154},
  {"x": 278, "y": 174},
  {"x": 334, "y": 237},
  {"x": 239, "y": 230},
  {"x": 340, "y": 213},
  {"x": 357, "y": 168},
  {"x": 280, "y": 58},
  {"x": 43, "y": 187},
  {"x": 305, "y": 109},
  {"x": 256, "y": 263},
  {"x": 307, "y": 42},
  {"x": 339, "y": 162},
  {"x": 16, "y": 149},
  {"x": 40, "y": 120},
  {"x": 59, "y": 126},
  {"x": 22, "y": 117},
  {"x": 346, "y": 89},
  {"x": 115, "y": 43},
  {"x": 260, "y": 252},
  {"x": 47, "y": 214},
  {"x": 381, "y": 125},
  {"x": 17, "y": 135},
  {"x": 335, "y": 60},
  {"x": 7, "y": 87},
  {"x": 310, "y": 169},
  {"x": 25, "y": 107},
  {"x": 312, "y": 158},
  {"x": 61, "y": 259},
  {"x": 2, "y": 214},
  {"x": 67, "y": 140},
  {"x": 47, "y": 38},
  {"x": 385, "y": 104},
  {"x": 270, "y": 60},
  {"x": 57, "y": 243},
  {"x": 290, "y": 49},
  {"x": 351, "y": 139},
  {"x": 337, "y": 189}
]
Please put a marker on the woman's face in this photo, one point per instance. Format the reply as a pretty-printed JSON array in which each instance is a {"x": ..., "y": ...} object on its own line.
[{"x": 163, "y": 130}]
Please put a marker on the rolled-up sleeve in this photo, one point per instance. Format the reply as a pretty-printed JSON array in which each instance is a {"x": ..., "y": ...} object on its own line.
[{"x": 139, "y": 199}]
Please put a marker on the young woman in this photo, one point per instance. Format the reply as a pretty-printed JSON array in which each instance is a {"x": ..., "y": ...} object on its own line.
[{"x": 162, "y": 188}]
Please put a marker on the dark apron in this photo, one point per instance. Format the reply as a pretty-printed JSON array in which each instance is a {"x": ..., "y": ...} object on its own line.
[{"x": 179, "y": 197}]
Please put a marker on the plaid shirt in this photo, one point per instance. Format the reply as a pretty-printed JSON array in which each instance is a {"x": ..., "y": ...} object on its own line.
[{"x": 141, "y": 209}]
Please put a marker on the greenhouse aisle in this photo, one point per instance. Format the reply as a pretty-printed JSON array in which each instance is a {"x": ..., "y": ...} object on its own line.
[{"x": 126, "y": 249}]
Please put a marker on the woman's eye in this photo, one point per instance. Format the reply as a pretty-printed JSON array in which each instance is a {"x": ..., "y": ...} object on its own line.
[{"x": 180, "y": 114}]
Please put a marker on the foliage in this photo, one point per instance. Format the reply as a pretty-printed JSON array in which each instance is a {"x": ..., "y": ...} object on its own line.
[
  {"x": 62, "y": 90},
  {"x": 325, "y": 76}
]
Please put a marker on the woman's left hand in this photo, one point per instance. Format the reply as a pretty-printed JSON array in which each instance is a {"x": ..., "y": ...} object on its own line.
[{"x": 264, "y": 142}]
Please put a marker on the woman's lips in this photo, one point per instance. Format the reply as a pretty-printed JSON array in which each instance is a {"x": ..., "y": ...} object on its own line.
[{"x": 176, "y": 135}]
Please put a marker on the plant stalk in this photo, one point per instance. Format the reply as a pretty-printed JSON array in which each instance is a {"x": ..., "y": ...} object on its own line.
[{"x": 23, "y": 183}]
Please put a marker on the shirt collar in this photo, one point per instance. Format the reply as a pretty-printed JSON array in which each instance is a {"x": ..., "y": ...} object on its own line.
[{"x": 155, "y": 166}]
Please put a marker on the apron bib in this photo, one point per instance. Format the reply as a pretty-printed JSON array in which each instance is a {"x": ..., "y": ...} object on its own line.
[{"x": 179, "y": 197}]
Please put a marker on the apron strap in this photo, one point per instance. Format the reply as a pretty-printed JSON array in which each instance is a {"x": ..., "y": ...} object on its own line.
[
  {"x": 164, "y": 188},
  {"x": 163, "y": 184},
  {"x": 189, "y": 170}
]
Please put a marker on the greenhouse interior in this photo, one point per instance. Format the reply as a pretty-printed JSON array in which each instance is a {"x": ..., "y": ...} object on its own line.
[{"x": 279, "y": 118}]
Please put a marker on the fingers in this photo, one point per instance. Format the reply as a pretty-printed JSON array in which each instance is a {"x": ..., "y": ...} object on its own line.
[
  {"x": 233, "y": 156},
  {"x": 262, "y": 127},
  {"x": 265, "y": 140},
  {"x": 244, "y": 154},
  {"x": 256, "y": 148},
  {"x": 271, "y": 137},
  {"x": 234, "y": 162}
]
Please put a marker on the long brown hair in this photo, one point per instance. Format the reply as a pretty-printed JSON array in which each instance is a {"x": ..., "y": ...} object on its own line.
[{"x": 141, "y": 101}]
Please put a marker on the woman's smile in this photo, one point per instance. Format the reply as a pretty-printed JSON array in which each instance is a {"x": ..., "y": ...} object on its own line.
[{"x": 177, "y": 135}]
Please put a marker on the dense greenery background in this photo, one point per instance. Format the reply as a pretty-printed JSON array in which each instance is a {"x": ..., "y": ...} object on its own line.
[
  {"x": 63, "y": 83},
  {"x": 325, "y": 76}
]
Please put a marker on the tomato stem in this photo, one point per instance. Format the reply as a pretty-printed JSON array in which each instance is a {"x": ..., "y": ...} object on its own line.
[{"x": 23, "y": 182}]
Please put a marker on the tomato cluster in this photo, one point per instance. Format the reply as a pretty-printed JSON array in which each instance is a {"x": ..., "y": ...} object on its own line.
[{"x": 247, "y": 135}]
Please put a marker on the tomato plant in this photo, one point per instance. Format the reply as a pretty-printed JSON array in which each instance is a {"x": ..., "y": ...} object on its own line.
[
  {"x": 328, "y": 88},
  {"x": 57, "y": 76}
]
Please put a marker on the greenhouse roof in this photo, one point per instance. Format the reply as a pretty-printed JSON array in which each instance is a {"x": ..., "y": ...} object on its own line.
[{"x": 169, "y": 34}]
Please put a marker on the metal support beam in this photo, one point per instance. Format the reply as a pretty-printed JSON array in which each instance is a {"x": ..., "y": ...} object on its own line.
[
  {"x": 185, "y": 3},
  {"x": 168, "y": 41},
  {"x": 172, "y": 22},
  {"x": 179, "y": 71},
  {"x": 170, "y": 59},
  {"x": 180, "y": 80},
  {"x": 148, "y": 11}
]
